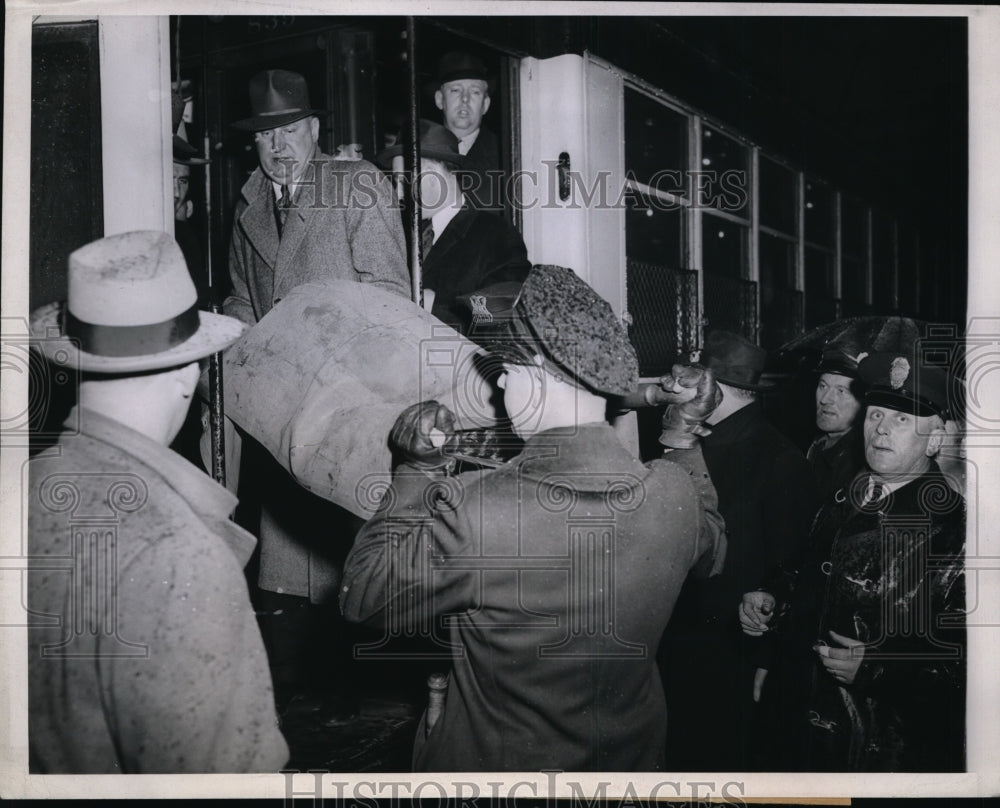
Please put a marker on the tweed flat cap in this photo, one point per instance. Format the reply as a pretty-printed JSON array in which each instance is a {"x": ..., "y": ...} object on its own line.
[{"x": 575, "y": 329}]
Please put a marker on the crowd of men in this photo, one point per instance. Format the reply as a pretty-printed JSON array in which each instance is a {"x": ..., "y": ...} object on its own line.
[{"x": 733, "y": 604}]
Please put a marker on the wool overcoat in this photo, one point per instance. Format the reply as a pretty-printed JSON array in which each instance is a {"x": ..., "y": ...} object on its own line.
[
  {"x": 146, "y": 656},
  {"x": 548, "y": 581},
  {"x": 344, "y": 224}
]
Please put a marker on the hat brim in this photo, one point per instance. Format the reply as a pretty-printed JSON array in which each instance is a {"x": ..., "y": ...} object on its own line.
[
  {"x": 259, "y": 123},
  {"x": 186, "y": 154},
  {"x": 215, "y": 332},
  {"x": 760, "y": 387},
  {"x": 907, "y": 402},
  {"x": 384, "y": 157},
  {"x": 433, "y": 86}
]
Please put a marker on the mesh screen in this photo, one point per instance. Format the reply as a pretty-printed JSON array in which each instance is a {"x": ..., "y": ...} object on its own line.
[
  {"x": 663, "y": 314},
  {"x": 730, "y": 305}
]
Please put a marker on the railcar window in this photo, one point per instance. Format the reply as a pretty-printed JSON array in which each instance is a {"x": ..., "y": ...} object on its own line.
[{"x": 656, "y": 143}]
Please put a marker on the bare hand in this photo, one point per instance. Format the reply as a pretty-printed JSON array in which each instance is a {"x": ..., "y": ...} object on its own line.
[
  {"x": 759, "y": 676},
  {"x": 756, "y": 612},
  {"x": 842, "y": 662}
]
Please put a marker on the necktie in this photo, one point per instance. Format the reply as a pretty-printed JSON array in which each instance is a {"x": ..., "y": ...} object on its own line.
[
  {"x": 876, "y": 491},
  {"x": 426, "y": 237},
  {"x": 281, "y": 208}
]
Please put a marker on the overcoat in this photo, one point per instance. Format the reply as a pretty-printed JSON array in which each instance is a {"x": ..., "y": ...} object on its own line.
[
  {"x": 549, "y": 581},
  {"x": 835, "y": 466},
  {"x": 145, "y": 656},
  {"x": 476, "y": 251},
  {"x": 767, "y": 497},
  {"x": 344, "y": 224},
  {"x": 892, "y": 575},
  {"x": 481, "y": 178}
]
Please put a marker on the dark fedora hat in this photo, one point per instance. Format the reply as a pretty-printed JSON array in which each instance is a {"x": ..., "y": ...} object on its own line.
[
  {"x": 457, "y": 65},
  {"x": 436, "y": 143},
  {"x": 184, "y": 152},
  {"x": 277, "y": 97},
  {"x": 735, "y": 360}
]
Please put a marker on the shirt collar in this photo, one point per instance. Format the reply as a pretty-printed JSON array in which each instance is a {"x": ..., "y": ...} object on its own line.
[
  {"x": 441, "y": 219},
  {"x": 466, "y": 143}
]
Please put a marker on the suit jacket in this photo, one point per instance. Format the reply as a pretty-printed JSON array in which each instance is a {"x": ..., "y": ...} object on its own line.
[
  {"x": 344, "y": 224},
  {"x": 154, "y": 659},
  {"x": 559, "y": 571},
  {"x": 476, "y": 251},
  {"x": 480, "y": 178}
]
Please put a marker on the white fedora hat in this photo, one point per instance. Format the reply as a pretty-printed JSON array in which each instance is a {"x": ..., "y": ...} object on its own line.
[{"x": 131, "y": 306}]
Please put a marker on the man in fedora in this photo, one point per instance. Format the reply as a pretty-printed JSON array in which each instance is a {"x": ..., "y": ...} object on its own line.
[
  {"x": 767, "y": 497},
  {"x": 462, "y": 92},
  {"x": 837, "y": 454},
  {"x": 144, "y": 654},
  {"x": 873, "y": 627},
  {"x": 302, "y": 216},
  {"x": 557, "y": 571},
  {"x": 473, "y": 261}
]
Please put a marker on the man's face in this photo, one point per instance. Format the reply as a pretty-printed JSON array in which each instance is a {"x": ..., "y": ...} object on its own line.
[
  {"x": 522, "y": 387},
  {"x": 464, "y": 102},
  {"x": 898, "y": 444},
  {"x": 182, "y": 180},
  {"x": 285, "y": 152},
  {"x": 836, "y": 406},
  {"x": 435, "y": 179}
]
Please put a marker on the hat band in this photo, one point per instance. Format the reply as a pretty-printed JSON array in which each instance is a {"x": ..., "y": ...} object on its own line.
[
  {"x": 132, "y": 340},
  {"x": 280, "y": 112}
]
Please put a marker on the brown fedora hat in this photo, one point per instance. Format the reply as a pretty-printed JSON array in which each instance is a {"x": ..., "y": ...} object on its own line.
[
  {"x": 460, "y": 65},
  {"x": 277, "y": 98},
  {"x": 436, "y": 143},
  {"x": 735, "y": 361}
]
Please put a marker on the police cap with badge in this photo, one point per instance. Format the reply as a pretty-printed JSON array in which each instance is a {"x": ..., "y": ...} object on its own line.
[{"x": 900, "y": 381}]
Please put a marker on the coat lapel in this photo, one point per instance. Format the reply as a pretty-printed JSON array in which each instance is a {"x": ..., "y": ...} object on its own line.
[
  {"x": 297, "y": 224},
  {"x": 261, "y": 230},
  {"x": 453, "y": 234}
]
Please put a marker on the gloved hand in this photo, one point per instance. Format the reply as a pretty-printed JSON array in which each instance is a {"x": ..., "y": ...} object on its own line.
[
  {"x": 683, "y": 423},
  {"x": 424, "y": 436}
]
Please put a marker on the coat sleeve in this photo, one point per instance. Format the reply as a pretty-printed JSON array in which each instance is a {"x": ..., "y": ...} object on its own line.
[
  {"x": 375, "y": 230},
  {"x": 238, "y": 303},
  {"x": 397, "y": 574},
  {"x": 712, "y": 527},
  {"x": 201, "y": 700}
]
